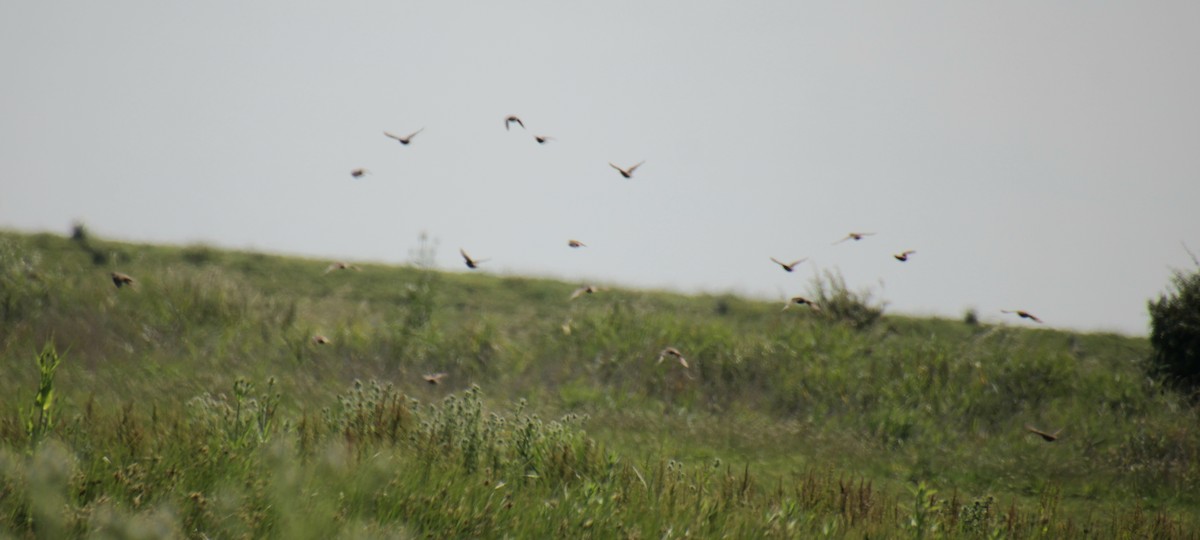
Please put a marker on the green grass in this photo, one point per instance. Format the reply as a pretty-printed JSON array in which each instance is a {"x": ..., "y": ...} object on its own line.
[{"x": 195, "y": 404}]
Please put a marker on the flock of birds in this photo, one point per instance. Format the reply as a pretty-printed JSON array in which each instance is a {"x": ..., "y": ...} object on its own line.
[{"x": 121, "y": 280}]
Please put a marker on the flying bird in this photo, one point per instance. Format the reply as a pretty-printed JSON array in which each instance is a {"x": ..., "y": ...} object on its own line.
[
  {"x": 1022, "y": 314},
  {"x": 854, "y": 236},
  {"x": 511, "y": 119},
  {"x": 321, "y": 340},
  {"x": 121, "y": 280},
  {"x": 788, "y": 266},
  {"x": 541, "y": 139},
  {"x": 801, "y": 301},
  {"x": 358, "y": 173},
  {"x": 1048, "y": 437},
  {"x": 672, "y": 351},
  {"x": 471, "y": 263},
  {"x": 434, "y": 378},
  {"x": 588, "y": 289},
  {"x": 405, "y": 139},
  {"x": 341, "y": 266},
  {"x": 576, "y": 243},
  {"x": 903, "y": 256},
  {"x": 627, "y": 173}
]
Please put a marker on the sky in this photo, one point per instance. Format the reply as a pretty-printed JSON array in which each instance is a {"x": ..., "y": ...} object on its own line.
[{"x": 1036, "y": 155}]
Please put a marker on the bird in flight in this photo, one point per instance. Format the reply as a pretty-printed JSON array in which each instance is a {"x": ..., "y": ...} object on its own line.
[
  {"x": 121, "y": 280},
  {"x": 341, "y": 266},
  {"x": 358, "y": 173},
  {"x": 1048, "y": 437},
  {"x": 541, "y": 139},
  {"x": 801, "y": 301},
  {"x": 854, "y": 236},
  {"x": 673, "y": 352},
  {"x": 511, "y": 120},
  {"x": 471, "y": 263},
  {"x": 588, "y": 289},
  {"x": 405, "y": 139},
  {"x": 434, "y": 378},
  {"x": 903, "y": 256},
  {"x": 1022, "y": 314},
  {"x": 627, "y": 173},
  {"x": 788, "y": 266},
  {"x": 321, "y": 340},
  {"x": 576, "y": 243}
]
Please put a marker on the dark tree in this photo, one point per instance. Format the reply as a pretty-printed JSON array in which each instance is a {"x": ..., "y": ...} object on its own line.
[{"x": 1175, "y": 331}]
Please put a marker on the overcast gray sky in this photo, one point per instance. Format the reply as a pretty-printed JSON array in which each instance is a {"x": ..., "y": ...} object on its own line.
[{"x": 1037, "y": 155}]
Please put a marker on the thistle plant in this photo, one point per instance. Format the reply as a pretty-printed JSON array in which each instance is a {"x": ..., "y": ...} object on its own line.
[{"x": 41, "y": 417}]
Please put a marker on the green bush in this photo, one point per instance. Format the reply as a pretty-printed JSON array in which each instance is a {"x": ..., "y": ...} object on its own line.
[
  {"x": 1175, "y": 332},
  {"x": 859, "y": 309}
]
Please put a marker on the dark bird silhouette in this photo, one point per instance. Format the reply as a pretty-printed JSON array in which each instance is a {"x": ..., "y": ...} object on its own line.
[
  {"x": 627, "y": 173},
  {"x": 576, "y": 243},
  {"x": 801, "y": 301},
  {"x": 405, "y": 139},
  {"x": 341, "y": 266},
  {"x": 511, "y": 120},
  {"x": 1022, "y": 314},
  {"x": 588, "y": 289},
  {"x": 1048, "y": 437},
  {"x": 903, "y": 256},
  {"x": 788, "y": 266},
  {"x": 854, "y": 236},
  {"x": 321, "y": 340},
  {"x": 434, "y": 378},
  {"x": 121, "y": 280},
  {"x": 358, "y": 173},
  {"x": 673, "y": 352},
  {"x": 471, "y": 263},
  {"x": 541, "y": 139}
]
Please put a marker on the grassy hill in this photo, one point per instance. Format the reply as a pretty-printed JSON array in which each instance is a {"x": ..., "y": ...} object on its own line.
[{"x": 196, "y": 403}]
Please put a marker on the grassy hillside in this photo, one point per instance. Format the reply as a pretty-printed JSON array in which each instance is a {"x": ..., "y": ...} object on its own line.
[{"x": 195, "y": 403}]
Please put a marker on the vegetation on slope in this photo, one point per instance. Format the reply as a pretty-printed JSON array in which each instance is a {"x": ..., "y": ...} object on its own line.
[{"x": 196, "y": 403}]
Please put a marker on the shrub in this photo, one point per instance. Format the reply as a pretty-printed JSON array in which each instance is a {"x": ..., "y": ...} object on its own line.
[
  {"x": 858, "y": 309},
  {"x": 1175, "y": 332}
]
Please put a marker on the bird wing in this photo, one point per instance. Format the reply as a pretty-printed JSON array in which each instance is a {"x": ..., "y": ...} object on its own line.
[
  {"x": 414, "y": 134},
  {"x": 1043, "y": 434},
  {"x": 848, "y": 236},
  {"x": 623, "y": 171},
  {"x": 578, "y": 292},
  {"x": 392, "y": 135},
  {"x": 633, "y": 168},
  {"x": 777, "y": 261},
  {"x": 464, "y": 255}
]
